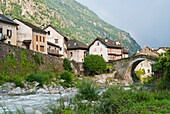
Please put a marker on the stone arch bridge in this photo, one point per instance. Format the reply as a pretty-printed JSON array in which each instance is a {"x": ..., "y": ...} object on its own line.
[{"x": 126, "y": 66}]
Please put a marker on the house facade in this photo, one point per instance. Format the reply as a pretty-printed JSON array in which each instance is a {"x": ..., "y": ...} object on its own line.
[
  {"x": 77, "y": 51},
  {"x": 31, "y": 37},
  {"x": 162, "y": 50},
  {"x": 8, "y": 30},
  {"x": 55, "y": 37},
  {"x": 146, "y": 65},
  {"x": 125, "y": 54},
  {"x": 106, "y": 48}
]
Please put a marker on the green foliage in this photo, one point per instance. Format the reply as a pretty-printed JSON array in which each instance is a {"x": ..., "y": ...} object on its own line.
[
  {"x": 163, "y": 64},
  {"x": 139, "y": 73},
  {"x": 40, "y": 77},
  {"x": 18, "y": 81},
  {"x": 67, "y": 65},
  {"x": 95, "y": 64},
  {"x": 67, "y": 76},
  {"x": 38, "y": 59},
  {"x": 88, "y": 90}
]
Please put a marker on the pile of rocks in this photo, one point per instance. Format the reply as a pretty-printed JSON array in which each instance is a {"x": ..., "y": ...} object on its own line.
[{"x": 10, "y": 89}]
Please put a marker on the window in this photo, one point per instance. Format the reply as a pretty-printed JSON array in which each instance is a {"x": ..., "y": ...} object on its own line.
[
  {"x": 48, "y": 32},
  {"x": 56, "y": 40},
  {"x": 98, "y": 43},
  {"x": 60, "y": 49},
  {"x": 37, "y": 38},
  {"x": 41, "y": 48},
  {"x": 148, "y": 71},
  {"x": 40, "y": 38},
  {"x": 71, "y": 54},
  {"x": 37, "y": 47},
  {"x": 9, "y": 33},
  {"x": 94, "y": 49},
  {"x": 17, "y": 27},
  {"x": 0, "y": 32},
  {"x": 9, "y": 42},
  {"x": 101, "y": 49},
  {"x": 102, "y": 55},
  {"x": 43, "y": 39}
]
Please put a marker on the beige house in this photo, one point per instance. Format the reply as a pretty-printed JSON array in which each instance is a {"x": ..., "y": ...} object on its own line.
[
  {"x": 148, "y": 51},
  {"x": 31, "y": 37},
  {"x": 55, "y": 37},
  {"x": 77, "y": 51},
  {"x": 146, "y": 65},
  {"x": 106, "y": 48},
  {"x": 8, "y": 30}
]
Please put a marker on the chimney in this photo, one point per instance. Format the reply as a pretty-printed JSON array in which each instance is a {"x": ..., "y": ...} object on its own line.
[
  {"x": 9, "y": 16},
  {"x": 152, "y": 48},
  {"x": 87, "y": 44}
]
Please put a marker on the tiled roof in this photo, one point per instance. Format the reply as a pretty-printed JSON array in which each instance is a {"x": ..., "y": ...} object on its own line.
[
  {"x": 57, "y": 31},
  {"x": 52, "y": 44},
  {"x": 7, "y": 20},
  {"x": 125, "y": 52},
  {"x": 75, "y": 44},
  {"x": 109, "y": 43},
  {"x": 35, "y": 28},
  {"x": 164, "y": 48}
]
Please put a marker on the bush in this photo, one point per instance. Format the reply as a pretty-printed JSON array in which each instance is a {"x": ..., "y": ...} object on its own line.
[
  {"x": 40, "y": 77},
  {"x": 95, "y": 64},
  {"x": 18, "y": 81},
  {"x": 88, "y": 90},
  {"x": 67, "y": 65},
  {"x": 67, "y": 76}
]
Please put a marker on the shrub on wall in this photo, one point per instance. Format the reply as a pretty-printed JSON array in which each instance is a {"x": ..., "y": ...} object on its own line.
[
  {"x": 95, "y": 64},
  {"x": 67, "y": 65}
]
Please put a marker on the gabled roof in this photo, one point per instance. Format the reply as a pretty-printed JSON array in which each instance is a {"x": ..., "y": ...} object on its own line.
[
  {"x": 57, "y": 31},
  {"x": 7, "y": 20},
  {"x": 75, "y": 44},
  {"x": 145, "y": 50},
  {"x": 52, "y": 44},
  {"x": 34, "y": 28},
  {"x": 109, "y": 43}
]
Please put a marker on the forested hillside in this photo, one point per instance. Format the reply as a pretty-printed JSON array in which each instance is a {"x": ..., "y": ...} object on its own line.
[{"x": 69, "y": 17}]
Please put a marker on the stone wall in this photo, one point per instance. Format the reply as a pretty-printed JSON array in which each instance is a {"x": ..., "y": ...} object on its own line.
[{"x": 49, "y": 62}]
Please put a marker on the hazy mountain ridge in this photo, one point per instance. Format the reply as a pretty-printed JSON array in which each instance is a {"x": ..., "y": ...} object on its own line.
[{"x": 69, "y": 17}]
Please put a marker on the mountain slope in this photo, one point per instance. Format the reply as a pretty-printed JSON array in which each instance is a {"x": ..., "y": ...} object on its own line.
[{"x": 69, "y": 17}]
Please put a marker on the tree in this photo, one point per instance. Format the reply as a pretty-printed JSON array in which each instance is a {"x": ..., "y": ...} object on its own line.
[
  {"x": 95, "y": 64},
  {"x": 163, "y": 64},
  {"x": 67, "y": 65}
]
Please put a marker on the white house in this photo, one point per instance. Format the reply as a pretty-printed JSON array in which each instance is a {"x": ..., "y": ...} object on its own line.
[
  {"x": 8, "y": 30},
  {"x": 55, "y": 37},
  {"x": 31, "y": 37},
  {"x": 162, "y": 50},
  {"x": 106, "y": 48}
]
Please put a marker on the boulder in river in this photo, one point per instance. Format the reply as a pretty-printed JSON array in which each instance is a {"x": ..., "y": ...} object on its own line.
[{"x": 16, "y": 91}]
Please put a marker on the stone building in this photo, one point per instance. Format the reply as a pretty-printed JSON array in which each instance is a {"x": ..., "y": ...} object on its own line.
[
  {"x": 31, "y": 37},
  {"x": 146, "y": 65},
  {"x": 8, "y": 30},
  {"x": 53, "y": 49},
  {"x": 57, "y": 38},
  {"x": 106, "y": 48},
  {"x": 77, "y": 51}
]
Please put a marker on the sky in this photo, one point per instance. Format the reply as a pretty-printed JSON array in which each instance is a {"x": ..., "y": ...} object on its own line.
[{"x": 147, "y": 21}]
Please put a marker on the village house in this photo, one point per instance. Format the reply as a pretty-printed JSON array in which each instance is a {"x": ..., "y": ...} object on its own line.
[
  {"x": 8, "y": 30},
  {"x": 77, "y": 51},
  {"x": 146, "y": 65},
  {"x": 162, "y": 50},
  {"x": 125, "y": 54},
  {"x": 58, "y": 39},
  {"x": 31, "y": 37},
  {"x": 106, "y": 48}
]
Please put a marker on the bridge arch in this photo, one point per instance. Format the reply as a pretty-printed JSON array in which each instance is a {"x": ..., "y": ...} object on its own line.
[{"x": 126, "y": 66}]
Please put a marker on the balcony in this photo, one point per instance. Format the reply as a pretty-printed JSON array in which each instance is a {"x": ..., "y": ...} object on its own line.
[{"x": 53, "y": 52}]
